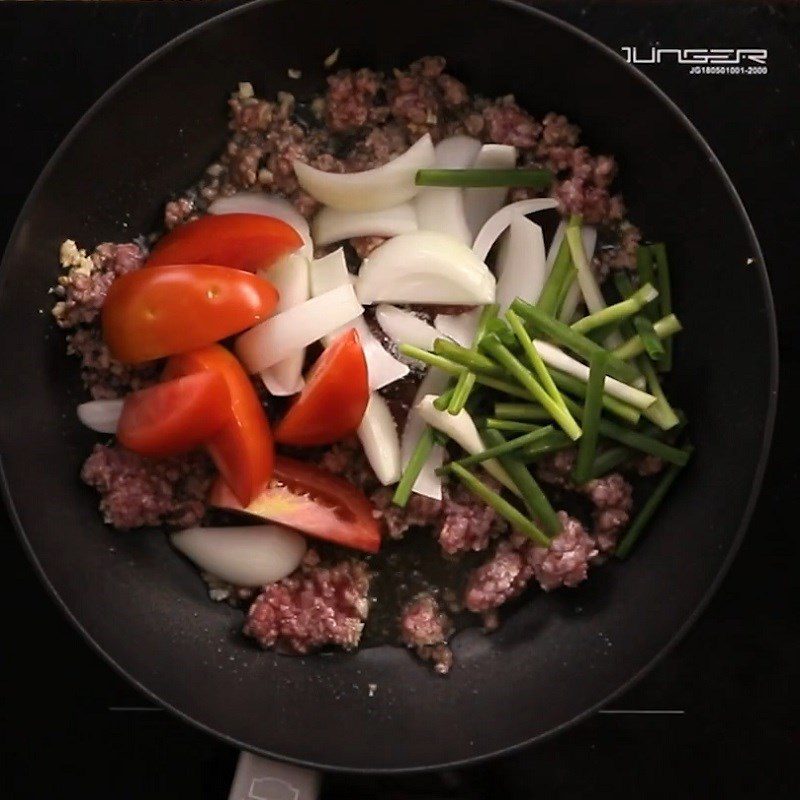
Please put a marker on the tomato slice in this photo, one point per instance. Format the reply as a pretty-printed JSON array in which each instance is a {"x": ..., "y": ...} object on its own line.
[
  {"x": 149, "y": 314},
  {"x": 313, "y": 501},
  {"x": 334, "y": 399},
  {"x": 242, "y": 241},
  {"x": 176, "y": 416},
  {"x": 242, "y": 449}
]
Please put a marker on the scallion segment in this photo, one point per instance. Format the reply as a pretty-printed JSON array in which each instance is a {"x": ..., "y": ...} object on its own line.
[
  {"x": 532, "y": 495},
  {"x": 558, "y": 440},
  {"x": 512, "y": 425},
  {"x": 608, "y": 460},
  {"x": 506, "y": 387},
  {"x": 591, "y": 417},
  {"x": 644, "y": 266},
  {"x": 661, "y": 412},
  {"x": 664, "y": 328},
  {"x": 577, "y": 387},
  {"x": 647, "y": 333},
  {"x": 443, "y": 400},
  {"x": 561, "y": 276},
  {"x": 503, "y": 446},
  {"x": 665, "y": 297},
  {"x": 471, "y": 359},
  {"x": 525, "y": 377},
  {"x": 573, "y": 340},
  {"x": 485, "y": 178},
  {"x": 525, "y": 411},
  {"x": 413, "y": 468},
  {"x": 519, "y": 522},
  {"x": 431, "y": 359},
  {"x": 611, "y": 315},
  {"x": 650, "y": 507},
  {"x": 466, "y": 381}
]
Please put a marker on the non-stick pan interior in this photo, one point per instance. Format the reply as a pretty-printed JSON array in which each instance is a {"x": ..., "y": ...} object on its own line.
[{"x": 559, "y": 655}]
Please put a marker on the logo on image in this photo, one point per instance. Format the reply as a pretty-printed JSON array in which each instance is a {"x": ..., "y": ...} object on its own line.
[{"x": 703, "y": 60}]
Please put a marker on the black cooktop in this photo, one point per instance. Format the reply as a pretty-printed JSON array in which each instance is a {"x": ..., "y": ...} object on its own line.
[{"x": 717, "y": 718}]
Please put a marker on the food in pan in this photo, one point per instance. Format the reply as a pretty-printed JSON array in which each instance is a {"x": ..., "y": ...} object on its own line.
[{"x": 397, "y": 357}]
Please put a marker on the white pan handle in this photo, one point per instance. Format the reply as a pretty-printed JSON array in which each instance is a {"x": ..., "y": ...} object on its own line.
[{"x": 259, "y": 778}]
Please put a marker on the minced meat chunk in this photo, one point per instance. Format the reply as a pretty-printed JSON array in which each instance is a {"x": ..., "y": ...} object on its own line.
[
  {"x": 315, "y": 606},
  {"x": 612, "y": 498},
  {"x": 426, "y": 628},
  {"x": 350, "y": 100},
  {"x": 137, "y": 491}
]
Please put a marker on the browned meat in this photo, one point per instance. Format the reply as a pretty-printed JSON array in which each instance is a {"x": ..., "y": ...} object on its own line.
[
  {"x": 314, "y": 607},
  {"x": 467, "y": 523},
  {"x": 647, "y": 465},
  {"x": 557, "y": 142},
  {"x": 418, "y": 512},
  {"x": 137, "y": 492},
  {"x": 502, "y": 577},
  {"x": 612, "y": 497},
  {"x": 621, "y": 255},
  {"x": 176, "y": 212},
  {"x": 506, "y": 123},
  {"x": 350, "y": 100},
  {"x": 556, "y": 468},
  {"x": 84, "y": 287},
  {"x": 364, "y": 245},
  {"x": 566, "y": 561},
  {"x": 426, "y": 628}
]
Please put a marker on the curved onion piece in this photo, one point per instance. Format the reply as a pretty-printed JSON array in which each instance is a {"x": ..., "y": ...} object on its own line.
[
  {"x": 461, "y": 429},
  {"x": 480, "y": 204},
  {"x": 378, "y": 435},
  {"x": 461, "y": 328},
  {"x": 334, "y": 225},
  {"x": 494, "y": 226},
  {"x": 244, "y": 556},
  {"x": 442, "y": 208},
  {"x": 521, "y": 263},
  {"x": 330, "y": 272},
  {"x": 424, "y": 267},
  {"x": 101, "y": 415},
  {"x": 382, "y": 187},
  {"x": 290, "y": 277},
  {"x": 428, "y": 483},
  {"x": 268, "y": 205},
  {"x": 405, "y": 327},
  {"x": 280, "y": 336}
]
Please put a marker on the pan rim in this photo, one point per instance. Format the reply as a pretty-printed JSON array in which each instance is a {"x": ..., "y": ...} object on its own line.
[{"x": 741, "y": 530}]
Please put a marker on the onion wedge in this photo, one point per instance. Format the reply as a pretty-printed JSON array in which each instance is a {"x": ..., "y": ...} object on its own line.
[
  {"x": 424, "y": 267},
  {"x": 373, "y": 189},
  {"x": 330, "y": 272},
  {"x": 280, "y": 336},
  {"x": 442, "y": 208},
  {"x": 480, "y": 204},
  {"x": 334, "y": 225},
  {"x": 290, "y": 277},
  {"x": 100, "y": 415},
  {"x": 461, "y": 328},
  {"x": 249, "y": 556},
  {"x": 268, "y": 205},
  {"x": 405, "y": 327},
  {"x": 520, "y": 267},
  {"x": 378, "y": 435},
  {"x": 495, "y": 226}
]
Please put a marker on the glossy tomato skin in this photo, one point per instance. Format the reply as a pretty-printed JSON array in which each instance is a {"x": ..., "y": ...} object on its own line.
[
  {"x": 176, "y": 416},
  {"x": 332, "y": 403},
  {"x": 311, "y": 500},
  {"x": 149, "y": 314},
  {"x": 242, "y": 449},
  {"x": 243, "y": 241}
]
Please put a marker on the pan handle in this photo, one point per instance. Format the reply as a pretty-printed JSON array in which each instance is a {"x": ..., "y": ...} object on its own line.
[{"x": 259, "y": 778}]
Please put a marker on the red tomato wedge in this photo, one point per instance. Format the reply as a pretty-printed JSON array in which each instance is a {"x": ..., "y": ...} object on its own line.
[
  {"x": 149, "y": 314},
  {"x": 334, "y": 399},
  {"x": 313, "y": 501},
  {"x": 242, "y": 241},
  {"x": 176, "y": 416},
  {"x": 242, "y": 449}
]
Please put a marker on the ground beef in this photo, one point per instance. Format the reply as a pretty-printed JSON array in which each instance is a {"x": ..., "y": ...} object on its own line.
[
  {"x": 467, "y": 524},
  {"x": 506, "y": 123},
  {"x": 381, "y": 144},
  {"x": 84, "y": 287},
  {"x": 426, "y": 628},
  {"x": 364, "y": 245},
  {"x": 104, "y": 377},
  {"x": 176, "y": 212},
  {"x": 556, "y": 468},
  {"x": 350, "y": 100},
  {"x": 516, "y": 560},
  {"x": 315, "y": 606},
  {"x": 647, "y": 465},
  {"x": 420, "y": 512},
  {"x": 621, "y": 255},
  {"x": 136, "y": 491},
  {"x": 557, "y": 142},
  {"x": 612, "y": 498}
]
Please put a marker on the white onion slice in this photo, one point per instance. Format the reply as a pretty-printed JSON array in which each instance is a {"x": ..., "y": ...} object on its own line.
[
  {"x": 334, "y": 225},
  {"x": 480, "y": 204},
  {"x": 330, "y": 272},
  {"x": 573, "y": 296},
  {"x": 461, "y": 328},
  {"x": 268, "y": 205},
  {"x": 405, "y": 327},
  {"x": 248, "y": 556},
  {"x": 461, "y": 428},
  {"x": 424, "y": 267},
  {"x": 558, "y": 359},
  {"x": 428, "y": 483},
  {"x": 521, "y": 263},
  {"x": 378, "y": 435},
  {"x": 281, "y": 335},
  {"x": 100, "y": 415},
  {"x": 441, "y": 208},
  {"x": 382, "y": 187},
  {"x": 496, "y": 224},
  {"x": 290, "y": 276}
]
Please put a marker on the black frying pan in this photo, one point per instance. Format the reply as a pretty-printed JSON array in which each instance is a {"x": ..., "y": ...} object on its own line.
[{"x": 560, "y": 656}]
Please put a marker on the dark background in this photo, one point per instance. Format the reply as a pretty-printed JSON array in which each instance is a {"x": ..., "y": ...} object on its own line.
[{"x": 74, "y": 727}]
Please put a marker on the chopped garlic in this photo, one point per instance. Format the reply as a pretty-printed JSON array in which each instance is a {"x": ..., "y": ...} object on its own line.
[
  {"x": 246, "y": 90},
  {"x": 71, "y": 257},
  {"x": 294, "y": 74},
  {"x": 332, "y": 58}
]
